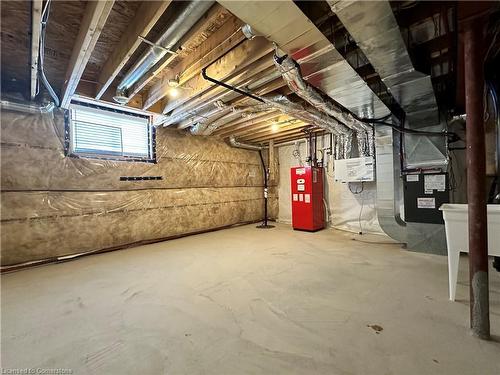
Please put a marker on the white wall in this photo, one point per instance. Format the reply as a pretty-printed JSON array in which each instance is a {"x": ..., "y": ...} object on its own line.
[{"x": 345, "y": 210}]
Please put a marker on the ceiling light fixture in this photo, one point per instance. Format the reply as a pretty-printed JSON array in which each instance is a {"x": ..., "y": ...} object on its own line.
[
  {"x": 174, "y": 82},
  {"x": 173, "y": 92}
]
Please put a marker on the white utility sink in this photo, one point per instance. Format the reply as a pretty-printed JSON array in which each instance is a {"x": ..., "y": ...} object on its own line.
[{"x": 457, "y": 236}]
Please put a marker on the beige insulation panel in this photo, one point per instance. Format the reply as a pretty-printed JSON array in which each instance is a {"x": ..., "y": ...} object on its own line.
[{"x": 53, "y": 205}]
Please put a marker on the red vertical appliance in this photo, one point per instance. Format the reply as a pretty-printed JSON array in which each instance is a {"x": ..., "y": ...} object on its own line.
[{"x": 307, "y": 198}]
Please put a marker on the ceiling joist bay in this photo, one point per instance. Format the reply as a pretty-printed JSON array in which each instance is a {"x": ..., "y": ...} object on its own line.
[{"x": 96, "y": 14}]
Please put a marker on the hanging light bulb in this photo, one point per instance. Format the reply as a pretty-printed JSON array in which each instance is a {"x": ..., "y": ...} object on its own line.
[
  {"x": 275, "y": 128},
  {"x": 173, "y": 92}
]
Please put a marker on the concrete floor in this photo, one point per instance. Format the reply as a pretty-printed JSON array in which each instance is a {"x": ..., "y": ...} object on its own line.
[{"x": 247, "y": 301}]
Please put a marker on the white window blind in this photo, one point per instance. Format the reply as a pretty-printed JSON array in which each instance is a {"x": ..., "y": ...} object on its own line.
[{"x": 102, "y": 131}]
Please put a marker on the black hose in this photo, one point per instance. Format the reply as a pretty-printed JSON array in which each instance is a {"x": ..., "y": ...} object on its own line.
[
  {"x": 229, "y": 87},
  {"x": 265, "y": 187}
]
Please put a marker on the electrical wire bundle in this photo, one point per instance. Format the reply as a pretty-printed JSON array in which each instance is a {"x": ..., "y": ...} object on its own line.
[{"x": 41, "y": 72}]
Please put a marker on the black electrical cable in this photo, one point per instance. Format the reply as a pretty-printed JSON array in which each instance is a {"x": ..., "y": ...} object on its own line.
[
  {"x": 371, "y": 120},
  {"x": 454, "y": 136},
  {"x": 265, "y": 187},
  {"x": 229, "y": 87}
]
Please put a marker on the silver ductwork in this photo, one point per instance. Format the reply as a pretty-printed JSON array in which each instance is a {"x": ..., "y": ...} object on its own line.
[
  {"x": 290, "y": 71},
  {"x": 27, "y": 107},
  {"x": 418, "y": 236},
  {"x": 247, "y": 146},
  {"x": 375, "y": 30},
  {"x": 323, "y": 66},
  {"x": 200, "y": 127},
  {"x": 209, "y": 126},
  {"x": 187, "y": 118},
  {"x": 310, "y": 114},
  {"x": 301, "y": 111},
  {"x": 166, "y": 43},
  {"x": 306, "y": 113}
]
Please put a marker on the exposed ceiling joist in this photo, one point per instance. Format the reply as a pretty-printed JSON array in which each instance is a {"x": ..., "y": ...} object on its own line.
[
  {"x": 226, "y": 38},
  {"x": 253, "y": 128},
  {"x": 281, "y": 135},
  {"x": 286, "y": 139},
  {"x": 146, "y": 17},
  {"x": 232, "y": 63},
  {"x": 269, "y": 129},
  {"x": 240, "y": 101},
  {"x": 94, "y": 18},
  {"x": 36, "y": 28},
  {"x": 322, "y": 65},
  {"x": 255, "y": 74},
  {"x": 201, "y": 27},
  {"x": 245, "y": 123}
]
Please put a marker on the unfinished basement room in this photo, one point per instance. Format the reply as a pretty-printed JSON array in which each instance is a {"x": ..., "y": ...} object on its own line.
[{"x": 250, "y": 187}]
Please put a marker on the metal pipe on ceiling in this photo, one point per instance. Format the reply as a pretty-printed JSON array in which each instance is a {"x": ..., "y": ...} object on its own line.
[
  {"x": 26, "y": 107},
  {"x": 222, "y": 115},
  {"x": 250, "y": 79},
  {"x": 290, "y": 71},
  {"x": 324, "y": 67},
  {"x": 235, "y": 143},
  {"x": 168, "y": 41},
  {"x": 307, "y": 113},
  {"x": 302, "y": 111}
]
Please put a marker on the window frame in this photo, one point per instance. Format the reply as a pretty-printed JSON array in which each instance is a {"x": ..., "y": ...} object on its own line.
[{"x": 69, "y": 134}]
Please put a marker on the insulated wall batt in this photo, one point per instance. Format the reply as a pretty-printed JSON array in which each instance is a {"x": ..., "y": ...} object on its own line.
[{"x": 54, "y": 205}]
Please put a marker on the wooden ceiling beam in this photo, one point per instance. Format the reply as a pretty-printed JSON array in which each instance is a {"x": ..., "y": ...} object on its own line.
[
  {"x": 242, "y": 131},
  {"x": 233, "y": 64},
  {"x": 226, "y": 38},
  {"x": 278, "y": 135},
  {"x": 268, "y": 130},
  {"x": 201, "y": 27},
  {"x": 285, "y": 139},
  {"x": 262, "y": 126},
  {"x": 145, "y": 18},
  {"x": 302, "y": 135},
  {"x": 246, "y": 123},
  {"x": 239, "y": 101},
  {"x": 205, "y": 101},
  {"x": 94, "y": 18},
  {"x": 36, "y": 28}
]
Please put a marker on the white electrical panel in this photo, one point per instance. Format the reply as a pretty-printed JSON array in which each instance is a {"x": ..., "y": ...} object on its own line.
[{"x": 354, "y": 169}]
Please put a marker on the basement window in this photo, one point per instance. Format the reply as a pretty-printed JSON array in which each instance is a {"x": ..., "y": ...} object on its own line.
[{"x": 107, "y": 133}]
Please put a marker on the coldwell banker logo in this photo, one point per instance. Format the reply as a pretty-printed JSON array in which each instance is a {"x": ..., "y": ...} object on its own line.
[{"x": 36, "y": 371}]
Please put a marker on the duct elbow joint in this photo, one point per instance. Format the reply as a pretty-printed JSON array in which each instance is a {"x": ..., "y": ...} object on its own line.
[
  {"x": 248, "y": 31},
  {"x": 121, "y": 96}
]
